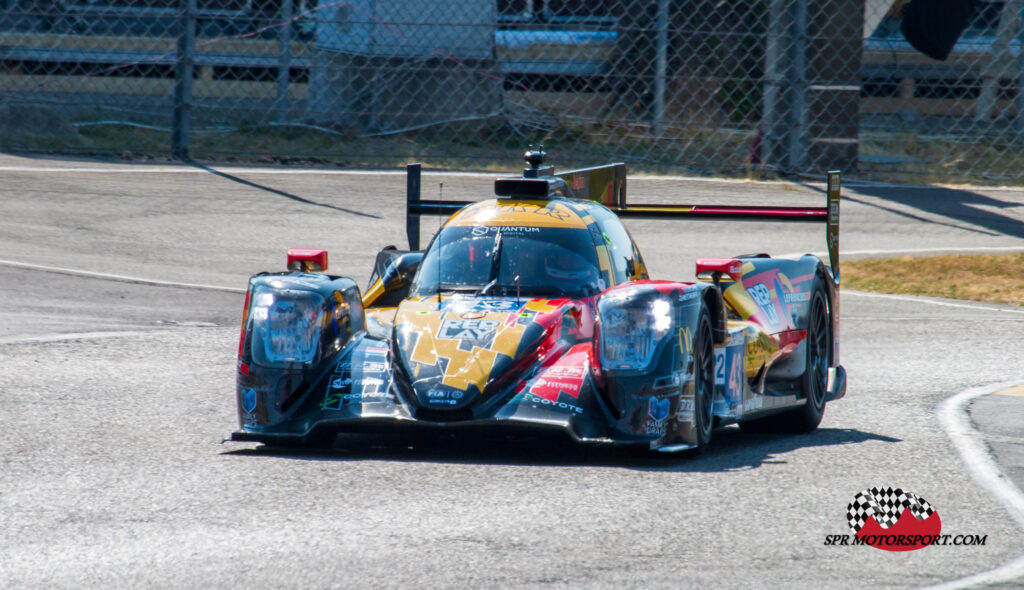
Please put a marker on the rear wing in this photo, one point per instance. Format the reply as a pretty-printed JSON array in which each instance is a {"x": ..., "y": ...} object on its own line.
[{"x": 607, "y": 185}]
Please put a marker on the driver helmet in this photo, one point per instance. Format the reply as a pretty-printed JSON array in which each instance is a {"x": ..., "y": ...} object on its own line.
[{"x": 567, "y": 266}]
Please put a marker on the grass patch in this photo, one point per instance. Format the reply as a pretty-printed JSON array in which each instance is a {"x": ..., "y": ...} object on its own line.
[{"x": 990, "y": 278}]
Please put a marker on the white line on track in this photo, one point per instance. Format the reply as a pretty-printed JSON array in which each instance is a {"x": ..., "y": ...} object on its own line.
[
  {"x": 917, "y": 299},
  {"x": 114, "y": 277},
  {"x": 160, "y": 283},
  {"x": 926, "y": 250},
  {"x": 910, "y": 251},
  {"x": 186, "y": 169},
  {"x": 970, "y": 444}
]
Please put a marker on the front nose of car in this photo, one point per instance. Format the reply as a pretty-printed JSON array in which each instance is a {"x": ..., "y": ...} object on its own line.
[{"x": 451, "y": 360}]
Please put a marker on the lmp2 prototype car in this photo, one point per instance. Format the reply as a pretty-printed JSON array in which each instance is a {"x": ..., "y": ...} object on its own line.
[{"x": 533, "y": 311}]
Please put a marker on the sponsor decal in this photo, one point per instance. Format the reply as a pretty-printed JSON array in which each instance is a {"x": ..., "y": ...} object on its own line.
[
  {"x": 368, "y": 384},
  {"x": 894, "y": 519},
  {"x": 444, "y": 397},
  {"x": 344, "y": 388},
  {"x": 334, "y": 400},
  {"x": 562, "y": 386},
  {"x": 531, "y": 398},
  {"x": 487, "y": 305},
  {"x": 341, "y": 382},
  {"x": 738, "y": 337},
  {"x": 658, "y": 409},
  {"x": 474, "y": 331},
  {"x": 566, "y": 372},
  {"x": 374, "y": 367},
  {"x": 797, "y": 297},
  {"x": 559, "y": 380},
  {"x": 249, "y": 400},
  {"x": 758, "y": 349},
  {"x": 483, "y": 230},
  {"x": 685, "y": 340},
  {"x": 684, "y": 411},
  {"x": 689, "y": 294},
  {"x": 763, "y": 297}
]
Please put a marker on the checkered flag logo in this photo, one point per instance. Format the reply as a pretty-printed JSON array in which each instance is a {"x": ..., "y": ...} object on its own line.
[{"x": 886, "y": 505}]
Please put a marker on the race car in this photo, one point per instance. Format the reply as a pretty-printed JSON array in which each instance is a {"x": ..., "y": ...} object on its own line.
[{"x": 532, "y": 312}]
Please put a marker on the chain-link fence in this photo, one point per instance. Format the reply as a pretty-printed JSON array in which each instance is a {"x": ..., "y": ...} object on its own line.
[{"x": 691, "y": 86}]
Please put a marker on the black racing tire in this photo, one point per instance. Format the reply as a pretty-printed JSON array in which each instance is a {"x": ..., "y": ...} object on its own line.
[
  {"x": 814, "y": 381},
  {"x": 703, "y": 381}
]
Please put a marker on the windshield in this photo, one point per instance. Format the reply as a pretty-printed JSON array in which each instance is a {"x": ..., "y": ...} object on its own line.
[{"x": 548, "y": 261}]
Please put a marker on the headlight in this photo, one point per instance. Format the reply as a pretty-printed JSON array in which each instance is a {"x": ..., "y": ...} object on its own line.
[
  {"x": 631, "y": 332},
  {"x": 286, "y": 326}
]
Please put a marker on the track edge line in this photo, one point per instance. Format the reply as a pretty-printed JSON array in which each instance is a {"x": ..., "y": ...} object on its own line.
[{"x": 970, "y": 446}]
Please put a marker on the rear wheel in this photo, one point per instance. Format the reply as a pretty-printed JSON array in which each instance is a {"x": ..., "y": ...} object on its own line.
[{"x": 813, "y": 382}]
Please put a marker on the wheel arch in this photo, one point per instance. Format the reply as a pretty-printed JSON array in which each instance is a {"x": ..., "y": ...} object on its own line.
[{"x": 716, "y": 307}]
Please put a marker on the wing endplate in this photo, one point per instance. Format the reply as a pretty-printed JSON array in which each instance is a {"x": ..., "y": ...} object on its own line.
[{"x": 832, "y": 227}]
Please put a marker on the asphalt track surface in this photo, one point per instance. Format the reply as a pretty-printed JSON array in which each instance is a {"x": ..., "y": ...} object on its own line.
[{"x": 115, "y": 395}]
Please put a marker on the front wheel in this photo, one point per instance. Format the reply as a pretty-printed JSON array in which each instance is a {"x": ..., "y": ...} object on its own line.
[{"x": 703, "y": 381}]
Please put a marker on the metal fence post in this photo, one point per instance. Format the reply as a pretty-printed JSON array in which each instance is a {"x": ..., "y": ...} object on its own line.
[
  {"x": 774, "y": 114},
  {"x": 999, "y": 61},
  {"x": 284, "y": 60},
  {"x": 183, "y": 72},
  {"x": 797, "y": 91},
  {"x": 660, "y": 67},
  {"x": 1018, "y": 101}
]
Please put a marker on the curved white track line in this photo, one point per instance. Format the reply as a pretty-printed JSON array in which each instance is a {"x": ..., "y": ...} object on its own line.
[
  {"x": 113, "y": 277},
  {"x": 970, "y": 444}
]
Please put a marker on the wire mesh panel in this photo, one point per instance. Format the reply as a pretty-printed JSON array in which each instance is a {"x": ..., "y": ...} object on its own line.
[{"x": 691, "y": 86}]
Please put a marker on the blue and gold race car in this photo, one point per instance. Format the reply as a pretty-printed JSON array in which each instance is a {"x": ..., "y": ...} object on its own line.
[{"x": 533, "y": 312}]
